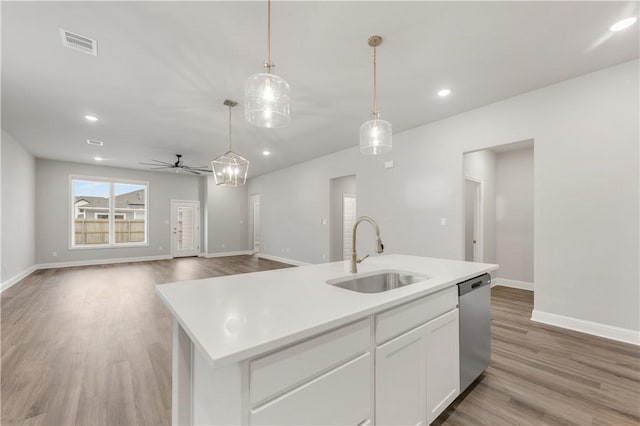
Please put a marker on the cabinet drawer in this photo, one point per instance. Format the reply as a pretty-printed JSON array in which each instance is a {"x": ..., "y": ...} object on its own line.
[
  {"x": 398, "y": 320},
  {"x": 339, "y": 397},
  {"x": 284, "y": 370}
]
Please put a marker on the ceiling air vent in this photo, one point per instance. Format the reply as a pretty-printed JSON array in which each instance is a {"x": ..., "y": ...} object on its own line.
[
  {"x": 95, "y": 142},
  {"x": 78, "y": 42}
]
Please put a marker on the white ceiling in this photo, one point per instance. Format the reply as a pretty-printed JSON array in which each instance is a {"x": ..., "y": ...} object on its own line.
[{"x": 164, "y": 68}]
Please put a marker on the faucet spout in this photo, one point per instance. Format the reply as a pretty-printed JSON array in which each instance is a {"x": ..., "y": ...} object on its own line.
[{"x": 354, "y": 254}]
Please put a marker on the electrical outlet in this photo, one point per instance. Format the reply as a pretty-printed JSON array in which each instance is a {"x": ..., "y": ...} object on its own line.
[
  {"x": 223, "y": 245},
  {"x": 443, "y": 221},
  {"x": 54, "y": 254},
  {"x": 159, "y": 248},
  {"x": 324, "y": 256}
]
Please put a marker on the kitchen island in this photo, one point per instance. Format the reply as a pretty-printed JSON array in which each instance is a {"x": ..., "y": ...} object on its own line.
[{"x": 285, "y": 347}]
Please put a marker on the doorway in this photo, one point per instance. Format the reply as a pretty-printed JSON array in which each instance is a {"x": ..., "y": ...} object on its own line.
[
  {"x": 342, "y": 207},
  {"x": 348, "y": 220},
  {"x": 498, "y": 199},
  {"x": 473, "y": 220},
  {"x": 185, "y": 228}
]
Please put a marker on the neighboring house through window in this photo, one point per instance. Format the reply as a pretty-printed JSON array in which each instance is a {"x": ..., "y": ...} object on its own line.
[{"x": 108, "y": 212}]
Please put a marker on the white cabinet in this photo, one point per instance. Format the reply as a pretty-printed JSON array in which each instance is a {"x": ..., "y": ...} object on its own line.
[
  {"x": 325, "y": 380},
  {"x": 443, "y": 365},
  {"x": 339, "y": 397},
  {"x": 417, "y": 373},
  {"x": 401, "y": 393}
]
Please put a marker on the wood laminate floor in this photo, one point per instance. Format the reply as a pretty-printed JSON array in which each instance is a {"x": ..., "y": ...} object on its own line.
[
  {"x": 92, "y": 346},
  {"x": 543, "y": 375}
]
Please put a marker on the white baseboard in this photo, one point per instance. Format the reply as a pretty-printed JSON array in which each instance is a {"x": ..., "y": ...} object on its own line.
[
  {"x": 597, "y": 329},
  {"x": 101, "y": 261},
  {"x": 282, "y": 259},
  {"x": 17, "y": 277},
  {"x": 522, "y": 285},
  {"x": 227, "y": 253}
]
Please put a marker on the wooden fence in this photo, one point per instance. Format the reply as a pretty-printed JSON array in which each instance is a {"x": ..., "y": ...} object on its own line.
[{"x": 96, "y": 231}]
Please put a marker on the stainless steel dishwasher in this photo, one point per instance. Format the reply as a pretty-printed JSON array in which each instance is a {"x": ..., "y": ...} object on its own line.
[{"x": 474, "y": 300}]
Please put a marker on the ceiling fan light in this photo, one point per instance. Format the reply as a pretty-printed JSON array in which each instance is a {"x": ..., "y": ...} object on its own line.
[
  {"x": 375, "y": 137},
  {"x": 267, "y": 101}
]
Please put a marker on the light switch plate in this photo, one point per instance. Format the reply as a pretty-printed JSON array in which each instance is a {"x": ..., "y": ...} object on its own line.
[{"x": 389, "y": 164}]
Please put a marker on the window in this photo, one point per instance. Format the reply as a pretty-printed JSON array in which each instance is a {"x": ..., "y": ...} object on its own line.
[{"x": 108, "y": 213}]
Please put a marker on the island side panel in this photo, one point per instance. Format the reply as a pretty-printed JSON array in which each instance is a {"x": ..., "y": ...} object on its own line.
[
  {"x": 217, "y": 393},
  {"x": 181, "y": 376}
]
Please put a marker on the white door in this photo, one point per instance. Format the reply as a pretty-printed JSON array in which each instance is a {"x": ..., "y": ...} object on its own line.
[
  {"x": 185, "y": 228},
  {"x": 348, "y": 220},
  {"x": 473, "y": 220}
]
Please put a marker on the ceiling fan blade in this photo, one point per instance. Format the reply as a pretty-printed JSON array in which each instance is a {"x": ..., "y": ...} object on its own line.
[
  {"x": 191, "y": 171},
  {"x": 198, "y": 168},
  {"x": 157, "y": 162},
  {"x": 161, "y": 167}
]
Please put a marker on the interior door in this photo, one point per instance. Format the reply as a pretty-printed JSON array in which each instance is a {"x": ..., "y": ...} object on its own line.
[
  {"x": 185, "y": 228},
  {"x": 473, "y": 220}
]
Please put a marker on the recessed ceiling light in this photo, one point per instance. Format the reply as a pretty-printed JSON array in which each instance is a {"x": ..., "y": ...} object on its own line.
[
  {"x": 624, "y": 23},
  {"x": 444, "y": 92},
  {"x": 266, "y": 153},
  {"x": 91, "y": 117},
  {"x": 98, "y": 158},
  {"x": 95, "y": 142}
]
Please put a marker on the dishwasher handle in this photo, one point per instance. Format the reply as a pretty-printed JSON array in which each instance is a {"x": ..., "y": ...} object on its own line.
[{"x": 473, "y": 284}]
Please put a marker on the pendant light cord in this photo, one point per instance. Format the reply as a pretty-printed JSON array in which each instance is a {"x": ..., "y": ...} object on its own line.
[
  {"x": 229, "y": 127},
  {"x": 375, "y": 85},
  {"x": 268, "y": 65}
]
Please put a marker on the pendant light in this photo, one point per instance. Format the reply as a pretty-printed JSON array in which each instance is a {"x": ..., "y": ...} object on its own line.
[
  {"x": 375, "y": 134},
  {"x": 230, "y": 169},
  {"x": 266, "y": 96}
]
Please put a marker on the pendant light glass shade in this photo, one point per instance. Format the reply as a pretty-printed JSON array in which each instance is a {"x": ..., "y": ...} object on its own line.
[
  {"x": 375, "y": 134},
  {"x": 266, "y": 100},
  {"x": 230, "y": 169},
  {"x": 375, "y": 137},
  {"x": 266, "y": 96}
]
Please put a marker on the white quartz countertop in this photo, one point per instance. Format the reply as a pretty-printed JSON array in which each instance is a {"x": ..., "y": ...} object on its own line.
[{"x": 236, "y": 317}]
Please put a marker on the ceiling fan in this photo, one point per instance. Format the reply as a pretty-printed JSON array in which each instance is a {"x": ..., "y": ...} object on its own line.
[{"x": 178, "y": 165}]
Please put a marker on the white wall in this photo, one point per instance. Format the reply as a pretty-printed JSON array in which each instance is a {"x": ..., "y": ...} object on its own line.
[
  {"x": 292, "y": 203},
  {"x": 227, "y": 226},
  {"x": 482, "y": 166},
  {"x": 52, "y": 210},
  {"x": 514, "y": 214},
  {"x": 18, "y": 208},
  {"x": 586, "y": 192}
]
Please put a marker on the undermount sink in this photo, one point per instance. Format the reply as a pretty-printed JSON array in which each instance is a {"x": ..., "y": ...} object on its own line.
[{"x": 377, "y": 282}]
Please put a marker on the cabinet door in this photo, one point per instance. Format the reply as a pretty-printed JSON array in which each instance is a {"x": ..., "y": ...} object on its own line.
[
  {"x": 443, "y": 365},
  {"x": 401, "y": 379},
  {"x": 339, "y": 397}
]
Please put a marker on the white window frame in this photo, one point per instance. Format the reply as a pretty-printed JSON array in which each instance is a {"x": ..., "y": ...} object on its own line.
[{"x": 112, "y": 228}]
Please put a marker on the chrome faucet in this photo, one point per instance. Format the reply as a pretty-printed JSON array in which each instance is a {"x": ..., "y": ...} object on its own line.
[{"x": 379, "y": 245}]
